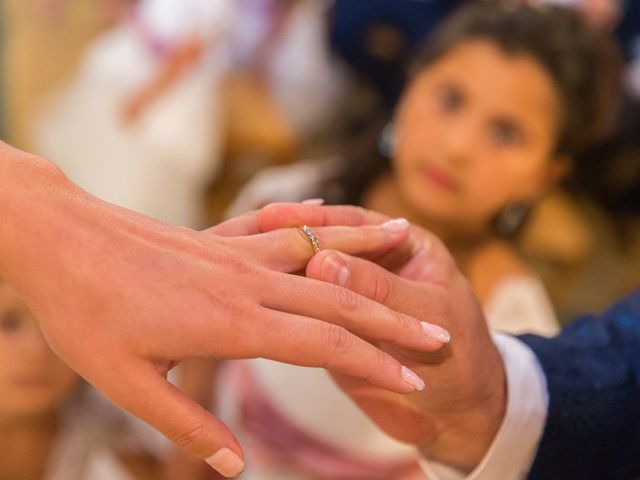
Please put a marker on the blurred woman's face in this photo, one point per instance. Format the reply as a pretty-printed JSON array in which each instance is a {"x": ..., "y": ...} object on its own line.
[
  {"x": 474, "y": 132},
  {"x": 33, "y": 381}
]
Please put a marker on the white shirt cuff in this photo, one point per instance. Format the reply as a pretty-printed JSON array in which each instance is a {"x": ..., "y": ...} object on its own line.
[{"x": 513, "y": 449}]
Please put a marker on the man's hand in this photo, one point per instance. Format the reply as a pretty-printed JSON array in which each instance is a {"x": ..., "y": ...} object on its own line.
[{"x": 456, "y": 417}]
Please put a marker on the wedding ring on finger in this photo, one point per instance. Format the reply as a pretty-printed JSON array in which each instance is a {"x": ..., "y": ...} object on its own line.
[{"x": 307, "y": 232}]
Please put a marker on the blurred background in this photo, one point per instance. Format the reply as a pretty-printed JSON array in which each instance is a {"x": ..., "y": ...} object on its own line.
[
  {"x": 193, "y": 110},
  {"x": 293, "y": 80}
]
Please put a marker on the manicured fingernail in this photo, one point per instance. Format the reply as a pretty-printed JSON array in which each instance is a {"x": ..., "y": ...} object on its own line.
[
  {"x": 436, "y": 332},
  {"x": 339, "y": 270},
  {"x": 313, "y": 201},
  {"x": 226, "y": 463},
  {"x": 412, "y": 379},
  {"x": 396, "y": 225}
]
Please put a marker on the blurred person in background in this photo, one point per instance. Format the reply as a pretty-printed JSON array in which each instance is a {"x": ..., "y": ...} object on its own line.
[
  {"x": 165, "y": 95},
  {"x": 582, "y": 227},
  {"x": 52, "y": 425},
  {"x": 469, "y": 150},
  {"x": 141, "y": 122},
  {"x": 284, "y": 45},
  {"x": 284, "y": 93},
  {"x": 502, "y": 101}
]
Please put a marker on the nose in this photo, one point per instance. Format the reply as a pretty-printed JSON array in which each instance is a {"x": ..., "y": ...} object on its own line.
[{"x": 459, "y": 140}]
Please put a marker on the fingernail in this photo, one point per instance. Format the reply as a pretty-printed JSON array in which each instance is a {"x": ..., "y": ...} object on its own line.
[
  {"x": 412, "y": 379},
  {"x": 396, "y": 225},
  {"x": 226, "y": 462},
  {"x": 339, "y": 270},
  {"x": 313, "y": 201},
  {"x": 436, "y": 332}
]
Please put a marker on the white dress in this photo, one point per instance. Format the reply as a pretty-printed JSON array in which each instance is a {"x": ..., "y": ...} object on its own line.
[
  {"x": 324, "y": 434},
  {"x": 160, "y": 164}
]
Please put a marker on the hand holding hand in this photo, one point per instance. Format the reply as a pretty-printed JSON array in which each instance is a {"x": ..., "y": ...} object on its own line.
[{"x": 456, "y": 417}]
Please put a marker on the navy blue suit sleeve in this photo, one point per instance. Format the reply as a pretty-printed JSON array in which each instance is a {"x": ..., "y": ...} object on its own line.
[{"x": 593, "y": 377}]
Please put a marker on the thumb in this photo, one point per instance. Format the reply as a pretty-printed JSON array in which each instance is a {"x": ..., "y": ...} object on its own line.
[{"x": 145, "y": 393}]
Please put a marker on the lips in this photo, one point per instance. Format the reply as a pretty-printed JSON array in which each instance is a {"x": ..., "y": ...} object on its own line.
[{"x": 440, "y": 178}]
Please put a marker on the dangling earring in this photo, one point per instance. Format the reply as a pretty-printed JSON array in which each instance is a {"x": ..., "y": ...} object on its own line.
[
  {"x": 511, "y": 218},
  {"x": 387, "y": 140}
]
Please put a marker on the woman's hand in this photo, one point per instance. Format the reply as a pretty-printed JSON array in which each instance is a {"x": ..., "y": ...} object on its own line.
[{"x": 123, "y": 298}]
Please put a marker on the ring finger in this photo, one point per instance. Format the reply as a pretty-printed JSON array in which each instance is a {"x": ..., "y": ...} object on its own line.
[{"x": 290, "y": 249}]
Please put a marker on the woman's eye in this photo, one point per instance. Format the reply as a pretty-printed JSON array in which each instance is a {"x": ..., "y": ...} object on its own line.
[
  {"x": 10, "y": 321},
  {"x": 504, "y": 134},
  {"x": 450, "y": 99}
]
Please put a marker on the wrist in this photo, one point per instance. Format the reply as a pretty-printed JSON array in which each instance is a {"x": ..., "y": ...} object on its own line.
[
  {"x": 466, "y": 442},
  {"x": 464, "y": 438},
  {"x": 28, "y": 184}
]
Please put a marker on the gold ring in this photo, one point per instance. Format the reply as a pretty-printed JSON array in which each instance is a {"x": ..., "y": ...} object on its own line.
[{"x": 311, "y": 236}]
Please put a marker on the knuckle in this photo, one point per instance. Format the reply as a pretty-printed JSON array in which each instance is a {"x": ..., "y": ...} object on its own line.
[
  {"x": 381, "y": 359},
  {"x": 338, "y": 340},
  {"x": 374, "y": 233},
  {"x": 381, "y": 288},
  {"x": 368, "y": 238},
  {"x": 346, "y": 299},
  {"x": 444, "y": 259},
  {"x": 192, "y": 439},
  {"x": 241, "y": 265},
  {"x": 403, "y": 324},
  {"x": 361, "y": 211},
  {"x": 228, "y": 305}
]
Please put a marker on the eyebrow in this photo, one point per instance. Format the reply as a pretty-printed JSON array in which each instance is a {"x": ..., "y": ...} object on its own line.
[
  {"x": 447, "y": 78},
  {"x": 506, "y": 118}
]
